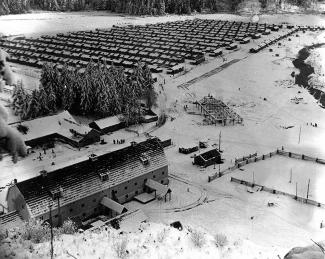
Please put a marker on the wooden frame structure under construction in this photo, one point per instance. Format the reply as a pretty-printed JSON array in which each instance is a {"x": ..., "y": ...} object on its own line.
[{"x": 217, "y": 111}]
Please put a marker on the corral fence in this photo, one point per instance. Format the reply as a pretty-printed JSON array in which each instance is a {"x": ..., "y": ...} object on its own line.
[
  {"x": 253, "y": 158},
  {"x": 274, "y": 191},
  {"x": 301, "y": 156}
]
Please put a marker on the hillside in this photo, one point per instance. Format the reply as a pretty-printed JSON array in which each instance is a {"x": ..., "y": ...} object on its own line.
[
  {"x": 157, "y": 7},
  {"x": 151, "y": 240}
]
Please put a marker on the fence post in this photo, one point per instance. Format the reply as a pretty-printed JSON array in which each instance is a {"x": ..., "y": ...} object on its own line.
[
  {"x": 302, "y": 156},
  {"x": 289, "y": 154},
  {"x": 263, "y": 157}
]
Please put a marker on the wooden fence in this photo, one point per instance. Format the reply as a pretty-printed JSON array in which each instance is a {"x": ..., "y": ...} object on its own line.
[
  {"x": 254, "y": 158},
  {"x": 274, "y": 191},
  {"x": 301, "y": 156}
]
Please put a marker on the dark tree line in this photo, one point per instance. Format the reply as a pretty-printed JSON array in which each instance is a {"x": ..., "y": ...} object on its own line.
[
  {"x": 134, "y": 7},
  {"x": 99, "y": 90}
]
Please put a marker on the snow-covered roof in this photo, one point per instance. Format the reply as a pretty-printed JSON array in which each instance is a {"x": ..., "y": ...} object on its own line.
[
  {"x": 113, "y": 205},
  {"x": 161, "y": 190},
  {"x": 82, "y": 180},
  {"x": 62, "y": 124},
  {"x": 108, "y": 122}
]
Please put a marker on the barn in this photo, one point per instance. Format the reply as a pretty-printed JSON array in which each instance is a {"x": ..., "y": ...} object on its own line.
[
  {"x": 61, "y": 127},
  {"x": 92, "y": 187}
]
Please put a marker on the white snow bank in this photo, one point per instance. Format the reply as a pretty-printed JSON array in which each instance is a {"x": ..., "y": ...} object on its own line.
[{"x": 150, "y": 241}]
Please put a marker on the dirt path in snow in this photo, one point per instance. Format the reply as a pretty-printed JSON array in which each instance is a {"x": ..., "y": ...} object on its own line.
[{"x": 208, "y": 74}]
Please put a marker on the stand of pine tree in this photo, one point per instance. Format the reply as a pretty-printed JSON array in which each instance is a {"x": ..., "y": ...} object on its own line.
[
  {"x": 99, "y": 90},
  {"x": 133, "y": 7}
]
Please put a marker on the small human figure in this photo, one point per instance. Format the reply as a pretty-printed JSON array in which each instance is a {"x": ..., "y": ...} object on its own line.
[
  {"x": 113, "y": 141},
  {"x": 315, "y": 124}
]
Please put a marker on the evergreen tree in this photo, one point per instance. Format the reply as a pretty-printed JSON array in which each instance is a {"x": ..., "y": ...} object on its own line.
[
  {"x": 149, "y": 93},
  {"x": 19, "y": 99},
  {"x": 44, "y": 109},
  {"x": 34, "y": 107}
]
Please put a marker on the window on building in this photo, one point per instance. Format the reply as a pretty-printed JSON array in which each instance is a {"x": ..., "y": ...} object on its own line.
[
  {"x": 94, "y": 200},
  {"x": 125, "y": 188},
  {"x": 135, "y": 184},
  {"x": 163, "y": 173},
  {"x": 126, "y": 196},
  {"x": 115, "y": 191},
  {"x": 82, "y": 205},
  {"x": 136, "y": 192},
  {"x": 71, "y": 210},
  {"x": 56, "y": 216},
  {"x": 162, "y": 181},
  {"x": 84, "y": 214},
  {"x": 154, "y": 176}
]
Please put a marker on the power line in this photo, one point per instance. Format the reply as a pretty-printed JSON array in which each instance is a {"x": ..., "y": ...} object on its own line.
[{"x": 7, "y": 185}]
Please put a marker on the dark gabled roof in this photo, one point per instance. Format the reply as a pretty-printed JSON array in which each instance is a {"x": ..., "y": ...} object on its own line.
[{"x": 82, "y": 179}]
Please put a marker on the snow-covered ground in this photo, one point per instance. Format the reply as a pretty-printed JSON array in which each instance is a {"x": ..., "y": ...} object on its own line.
[
  {"x": 151, "y": 240},
  {"x": 259, "y": 88},
  {"x": 275, "y": 173},
  {"x": 34, "y": 24}
]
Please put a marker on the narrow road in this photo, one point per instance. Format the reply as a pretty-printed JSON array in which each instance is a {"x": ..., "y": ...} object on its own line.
[{"x": 208, "y": 74}]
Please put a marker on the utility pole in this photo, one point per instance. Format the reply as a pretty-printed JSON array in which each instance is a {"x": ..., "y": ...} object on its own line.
[
  {"x": 253, "y": 178},
  {"x": 299, "y": 134},
  {"x": 308, "y": 188},
  {"x": 296, "y": 190},
  {"x": 219, "y": 140},
  {"x": 59, "y": 212},
  {"x": 290, "y": 175},
  {"x": 51, "y": 225}
]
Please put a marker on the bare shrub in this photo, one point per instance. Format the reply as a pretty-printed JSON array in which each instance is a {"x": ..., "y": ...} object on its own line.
[
  {"x": 161, "y": 236},
  {"x": 38, "y": 231},
  {"x": 119, "y": 247},
  {"x": 220, "y": 240},
  {"x": 198, "y": 238},
  {"x": 35, "y": 231},
  {"x": 69, "y": 227}
]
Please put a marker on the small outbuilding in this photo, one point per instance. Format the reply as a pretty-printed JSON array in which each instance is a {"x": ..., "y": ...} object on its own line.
[
  {"x": 188, "y": 148},
  {"x": 207, "y": 158},
  {"x": 161, "y": 191},
  {"x": 108, "y": 124}
]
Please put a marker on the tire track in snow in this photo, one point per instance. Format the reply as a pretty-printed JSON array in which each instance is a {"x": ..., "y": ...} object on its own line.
[{"x": 208, "y": 74}]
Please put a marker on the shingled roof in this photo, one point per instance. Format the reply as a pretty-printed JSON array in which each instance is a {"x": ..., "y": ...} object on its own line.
[{"x": 82, "y": 179}]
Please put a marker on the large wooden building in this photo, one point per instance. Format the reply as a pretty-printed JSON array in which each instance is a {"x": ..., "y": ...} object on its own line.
[
  {"x": 62, "y": 127},
  {"x": 92, "y": 187}
]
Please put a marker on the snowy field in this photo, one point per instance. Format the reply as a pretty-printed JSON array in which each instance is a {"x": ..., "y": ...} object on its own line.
[
  {"x": 228, "y": 208},
  {"x": 35, "y": 24},
  {"x": 275, "y": 173}
]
